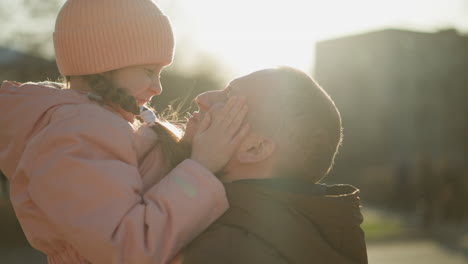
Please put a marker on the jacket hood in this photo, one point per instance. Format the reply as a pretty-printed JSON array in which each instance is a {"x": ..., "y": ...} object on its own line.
[
  {"x": 25, "y": 109},
  {"x": 299, "y": 218}
]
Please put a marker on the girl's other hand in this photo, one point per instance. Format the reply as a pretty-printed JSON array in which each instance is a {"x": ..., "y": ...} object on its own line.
[{"x": 219, "y": 134}]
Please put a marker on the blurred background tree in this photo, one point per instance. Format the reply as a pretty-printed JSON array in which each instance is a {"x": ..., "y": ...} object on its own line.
[{"x": 34, "y": 35}]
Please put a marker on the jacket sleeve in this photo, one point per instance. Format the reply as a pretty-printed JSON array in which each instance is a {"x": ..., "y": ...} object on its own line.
[{"x": 83, "y": 175}]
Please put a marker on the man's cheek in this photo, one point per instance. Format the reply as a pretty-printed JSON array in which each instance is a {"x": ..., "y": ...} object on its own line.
[{"x": 217, "y": 110}]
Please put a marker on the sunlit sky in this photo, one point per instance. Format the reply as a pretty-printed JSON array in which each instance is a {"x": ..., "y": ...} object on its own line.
[{"x": 244, "y": 35}]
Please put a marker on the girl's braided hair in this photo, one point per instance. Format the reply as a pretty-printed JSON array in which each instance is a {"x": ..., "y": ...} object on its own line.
[{"x": 173, "y": 148}]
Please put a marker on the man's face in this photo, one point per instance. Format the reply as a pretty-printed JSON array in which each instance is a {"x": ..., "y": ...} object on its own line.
[
  {"x": 245, "y": 86},
  {"x": 205, "y": 102},
  {"x": 259, "y": 90}
]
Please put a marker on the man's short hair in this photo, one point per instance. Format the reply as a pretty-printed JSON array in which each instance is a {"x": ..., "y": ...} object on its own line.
[{"x": 304, "y": 122}]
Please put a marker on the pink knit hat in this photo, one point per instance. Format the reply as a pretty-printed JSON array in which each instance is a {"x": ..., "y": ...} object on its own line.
[{"x": 94, "y": 36}]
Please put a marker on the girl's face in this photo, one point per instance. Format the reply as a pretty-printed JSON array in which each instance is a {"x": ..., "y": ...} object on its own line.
[{"x": 140, "y": 81}]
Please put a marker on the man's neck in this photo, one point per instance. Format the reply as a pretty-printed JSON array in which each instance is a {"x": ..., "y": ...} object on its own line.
[{"x": 244, "y": 172}]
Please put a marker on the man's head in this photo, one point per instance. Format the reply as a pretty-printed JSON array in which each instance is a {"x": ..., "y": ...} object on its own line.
[{"x": 295, "y": 126}]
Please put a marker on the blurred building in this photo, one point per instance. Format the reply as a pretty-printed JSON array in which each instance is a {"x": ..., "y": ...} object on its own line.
[{"x": 401, "y": 93}]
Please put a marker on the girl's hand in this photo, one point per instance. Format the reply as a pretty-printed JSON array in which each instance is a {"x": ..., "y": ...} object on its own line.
[{"x": 219, "y": 134}]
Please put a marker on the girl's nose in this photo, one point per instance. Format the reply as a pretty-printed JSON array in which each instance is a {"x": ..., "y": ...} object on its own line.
[{"x": 156, "y": 88}]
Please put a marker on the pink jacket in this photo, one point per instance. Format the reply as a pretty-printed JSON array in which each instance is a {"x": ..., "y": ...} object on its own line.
[{"x": 76, "y": 182}]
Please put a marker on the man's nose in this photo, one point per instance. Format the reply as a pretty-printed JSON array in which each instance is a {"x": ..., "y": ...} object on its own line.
[{"x": 207, "y": 99}]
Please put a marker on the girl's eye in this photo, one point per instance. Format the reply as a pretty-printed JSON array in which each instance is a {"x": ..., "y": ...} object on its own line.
[{"x": 150, "y": 72}]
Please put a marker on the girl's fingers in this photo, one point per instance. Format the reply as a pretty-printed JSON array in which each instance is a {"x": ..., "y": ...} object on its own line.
[
  {"x": 217, "y": 114},
  {"x": 237, "y": 120},
  {"x": 229, "y": 105},
  {"x": 227, "y": 117},
  {"x": 204, "y": 124},
  {"x": 235, "y": 110},
  {"x": 230, "y": 110},
  {"x": 241, "y": 134}
]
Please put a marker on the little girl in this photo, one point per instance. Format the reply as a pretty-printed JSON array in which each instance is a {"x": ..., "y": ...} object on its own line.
[{"x": 74, "y": 156}]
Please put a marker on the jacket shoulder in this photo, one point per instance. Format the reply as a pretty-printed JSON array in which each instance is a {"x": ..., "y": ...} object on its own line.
[
  {"x": 222, "y": 243},
  {"x": 92, "y": 124},
  {"x": 18, "y": 86},
  {"x": 90, "y": 114}
]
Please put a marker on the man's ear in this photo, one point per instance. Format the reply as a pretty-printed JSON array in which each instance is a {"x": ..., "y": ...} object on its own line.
[{"x": 256, "y": 151}]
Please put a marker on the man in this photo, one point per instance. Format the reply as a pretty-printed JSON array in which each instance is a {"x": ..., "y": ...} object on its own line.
[{"x": 278, "y": 213}]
